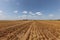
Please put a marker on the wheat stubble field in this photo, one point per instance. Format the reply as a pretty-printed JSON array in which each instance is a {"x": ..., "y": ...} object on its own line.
[{"x": 29, "y": 30}]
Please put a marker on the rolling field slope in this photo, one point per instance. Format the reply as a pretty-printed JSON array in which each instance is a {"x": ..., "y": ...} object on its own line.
[{"x": 30, "y": 30}]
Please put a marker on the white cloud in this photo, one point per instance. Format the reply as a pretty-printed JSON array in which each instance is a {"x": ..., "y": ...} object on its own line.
[
  {"x": 22, "y": 17},
  {"x": 39, "y": 13},
  {"x": 25, "y": 12},
  {"x": 1, "y": 11},
  {"x": 31, "y": 13},
  {"x": 51, "y": 15},
  {"x": 2, "y": 15},
  {"x": 15, "y": 11}
]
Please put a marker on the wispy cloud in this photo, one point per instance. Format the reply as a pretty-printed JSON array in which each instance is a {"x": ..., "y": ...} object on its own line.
[
  {"x": 39, "y": 13},
  {"x": 25, "y": 15},
  {"x": 22, "y": 17},
  {"x": 15, "y": 11},
  {"x": 1, "y": 11},
  {"x": 51, "y": 15},
  {"x": 31, "y": 13},
  {"x": 24, "y": 12},
  {"x": 2, "y": 15}
]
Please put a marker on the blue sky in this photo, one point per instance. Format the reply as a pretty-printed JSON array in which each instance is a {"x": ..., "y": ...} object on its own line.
[{"x": 29, "y": 9}]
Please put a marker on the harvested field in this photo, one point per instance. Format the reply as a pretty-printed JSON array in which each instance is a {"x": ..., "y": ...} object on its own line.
[{"x": 29, "y": 30}]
